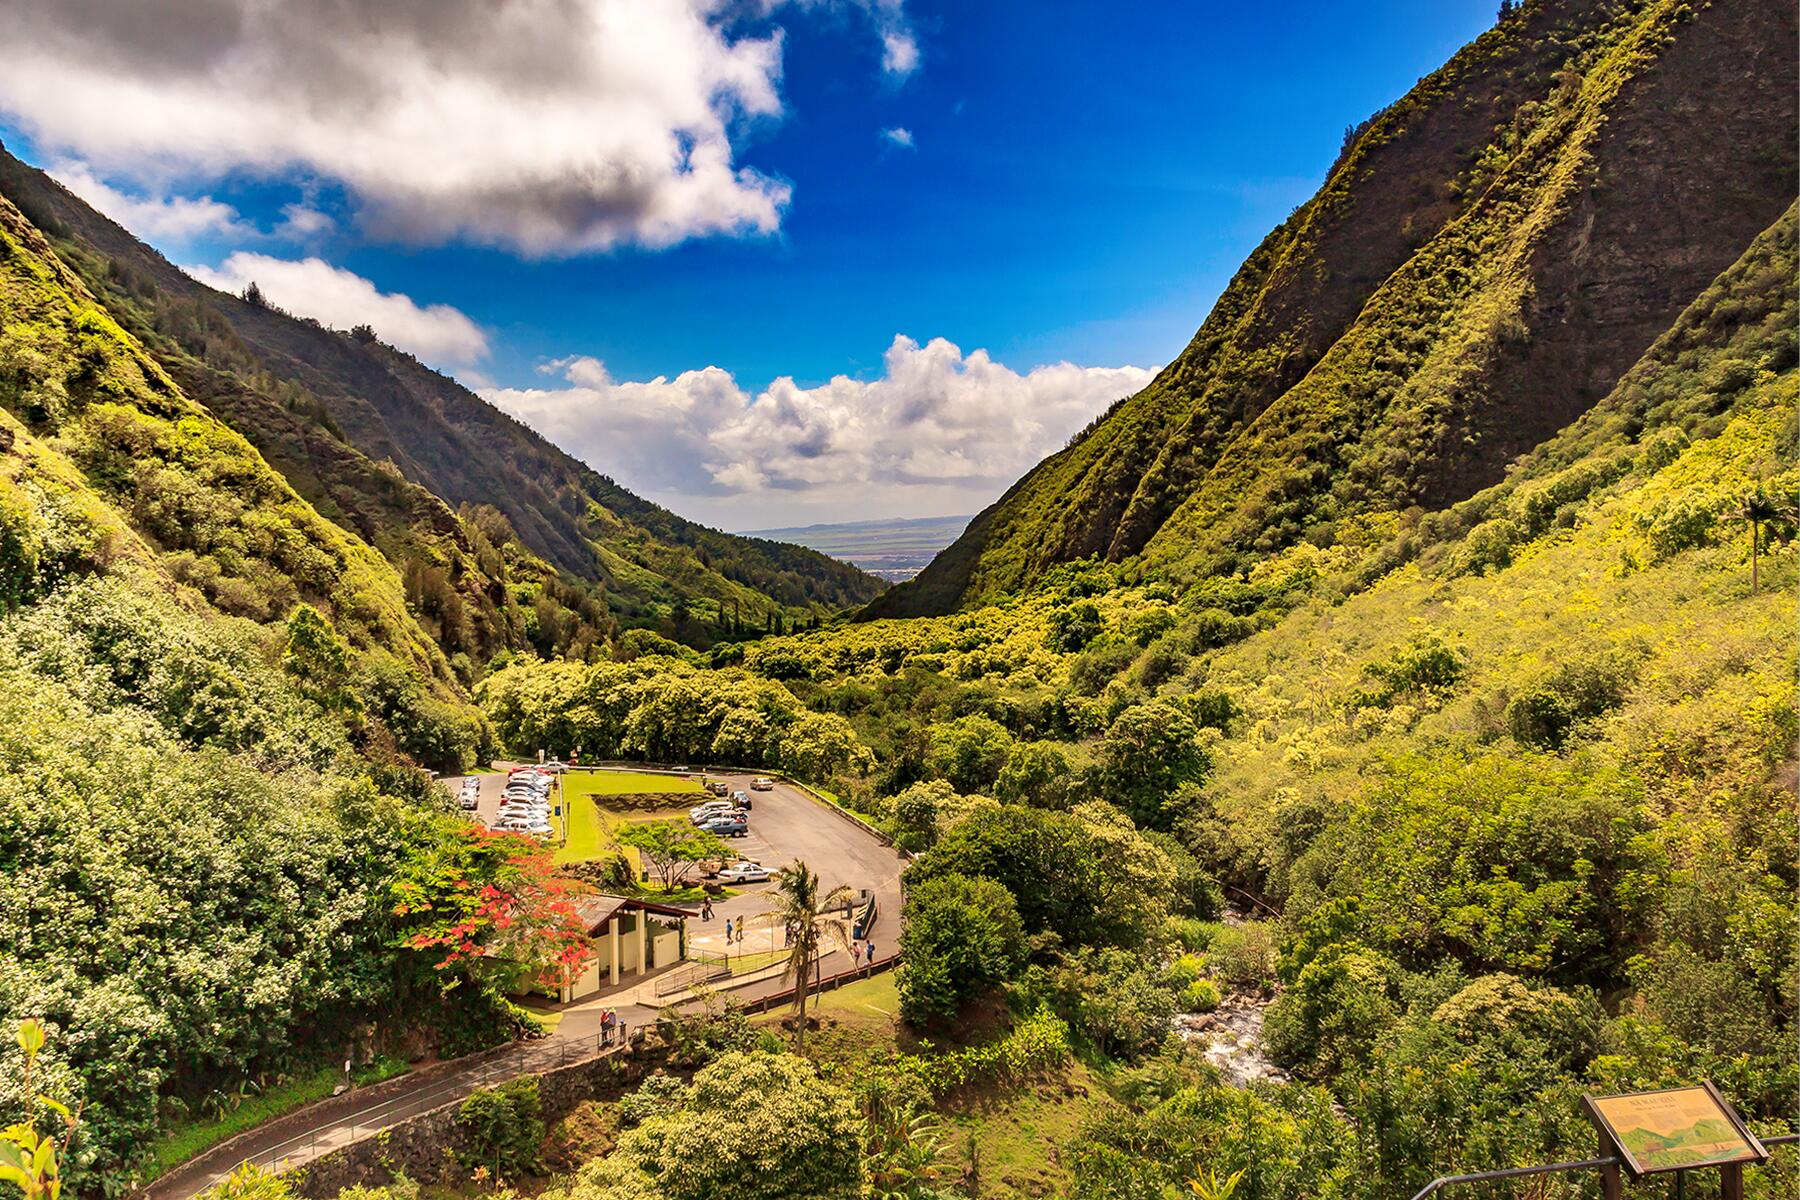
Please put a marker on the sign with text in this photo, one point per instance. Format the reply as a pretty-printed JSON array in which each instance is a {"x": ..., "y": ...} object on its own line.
[{"x": 1674, "y": 1129}]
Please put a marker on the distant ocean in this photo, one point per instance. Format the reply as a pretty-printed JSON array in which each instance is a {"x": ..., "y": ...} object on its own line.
[{"x": 894, "y": 550}]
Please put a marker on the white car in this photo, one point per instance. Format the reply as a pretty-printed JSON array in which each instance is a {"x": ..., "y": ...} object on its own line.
[
  {"x": 744, "y": 872},
  {"x": 762, "y": 784},
  {"x": 709, "y": 810}
]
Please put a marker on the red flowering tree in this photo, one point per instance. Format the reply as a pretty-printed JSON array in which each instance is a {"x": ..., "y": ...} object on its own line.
[{"x": 489, "y": 908}]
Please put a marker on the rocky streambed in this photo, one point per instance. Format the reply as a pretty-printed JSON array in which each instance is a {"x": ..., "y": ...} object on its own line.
[{"x": 1232, "y": 1037}]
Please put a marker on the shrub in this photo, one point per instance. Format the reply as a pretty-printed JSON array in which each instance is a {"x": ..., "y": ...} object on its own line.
[
  {"x": 1122, "y": 1004},
  {"x": 1200, "y": 996},
  {"x": 1243, "y": 954},
  {"x": 961, "y": 937},
  {"x": 502, "y": 1127}
]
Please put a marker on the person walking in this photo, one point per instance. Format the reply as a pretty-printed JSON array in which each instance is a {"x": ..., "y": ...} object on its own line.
[
  {"x": 728, "y": 931},
  {"x": 706, "y": 909},
  {"x": 871, "y": 950}
]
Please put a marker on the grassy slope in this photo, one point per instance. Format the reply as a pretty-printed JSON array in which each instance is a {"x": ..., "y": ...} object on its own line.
[
  {"x": 110, "y": 464},
  {"x": 365, "y": 404},
  {"x": 1475, "y": 272},
  {"x": 1686, "y": 432}
]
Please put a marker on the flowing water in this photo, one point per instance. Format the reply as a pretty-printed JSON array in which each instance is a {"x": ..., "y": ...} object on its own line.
[{"x": 1232, "y": 1036}]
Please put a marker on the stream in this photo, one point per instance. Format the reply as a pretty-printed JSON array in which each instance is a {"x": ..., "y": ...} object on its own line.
[{"x": 1232, "y": 1036}]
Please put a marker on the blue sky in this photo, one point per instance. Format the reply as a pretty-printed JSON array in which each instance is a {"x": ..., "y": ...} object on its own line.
[{"x": 1081, "y": 181}]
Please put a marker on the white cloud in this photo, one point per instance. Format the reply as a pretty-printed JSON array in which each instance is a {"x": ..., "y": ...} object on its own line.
[
  {"x": 169, "y": 218},
  {"x": 300, "y": 222},
  {"x": 312, "y": 287},
  {"x": 899, "y": 53},
  {"x": 549, "y": 126},
  {"x": 940, "y": 431},
  {"x": 899, "y": 136}
]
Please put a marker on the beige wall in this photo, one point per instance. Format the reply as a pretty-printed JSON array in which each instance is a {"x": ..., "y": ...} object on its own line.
[{"x": 630, "y": 946}]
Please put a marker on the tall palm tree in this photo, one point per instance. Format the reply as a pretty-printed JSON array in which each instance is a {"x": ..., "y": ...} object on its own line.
[
  {"x": 1756, "y": 508},
  {"x": 805, "y": 914}
]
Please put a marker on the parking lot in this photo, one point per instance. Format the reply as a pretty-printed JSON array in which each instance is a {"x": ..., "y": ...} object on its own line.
[{"x": 786, "y": 825}]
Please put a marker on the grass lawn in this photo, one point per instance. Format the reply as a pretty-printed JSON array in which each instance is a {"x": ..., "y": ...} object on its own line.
[
  {"x": 186, "y": 1139},
  {"x": 592, "y": 828},
  {"x": 755, "y": 960},
  {"x": 624, "y": 783}
]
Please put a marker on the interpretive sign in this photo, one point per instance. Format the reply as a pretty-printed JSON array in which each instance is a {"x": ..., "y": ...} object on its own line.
[{"x": 1674, "y": 1129}]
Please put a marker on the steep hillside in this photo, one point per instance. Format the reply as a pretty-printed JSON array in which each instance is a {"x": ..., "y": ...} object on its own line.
[
  {"x": 393, "y": 450},
  {"x": 110, "y": 469},
  {"x": 1485, "y": 260}
]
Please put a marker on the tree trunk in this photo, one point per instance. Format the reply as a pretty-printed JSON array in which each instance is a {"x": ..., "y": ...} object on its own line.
[
  {"x": 1755, "y": 541},
  {"x": 800, "y": 1005}
]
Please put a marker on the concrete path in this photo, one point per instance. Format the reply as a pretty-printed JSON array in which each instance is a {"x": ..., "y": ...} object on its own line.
[{"x": 786, "y": 825}]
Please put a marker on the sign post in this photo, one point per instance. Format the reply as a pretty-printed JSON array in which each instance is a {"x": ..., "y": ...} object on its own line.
[{"x": 1675, "y": 1129}]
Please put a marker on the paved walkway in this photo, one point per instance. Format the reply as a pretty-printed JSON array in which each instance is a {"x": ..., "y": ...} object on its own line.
[{"x": 786, "y": 825}]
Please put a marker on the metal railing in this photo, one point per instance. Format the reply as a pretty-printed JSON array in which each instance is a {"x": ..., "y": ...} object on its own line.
[
  {"x": 700, "y": 970},
  {"x": 1586, "y": 1164},
  {"x": 352, "y": 1127}
]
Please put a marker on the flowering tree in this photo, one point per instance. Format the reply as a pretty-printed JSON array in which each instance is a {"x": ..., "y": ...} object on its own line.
[{"x": 490, "y": 907}]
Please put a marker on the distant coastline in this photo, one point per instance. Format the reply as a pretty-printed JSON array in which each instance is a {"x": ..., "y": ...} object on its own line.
[{"x": 894, "y": 550}]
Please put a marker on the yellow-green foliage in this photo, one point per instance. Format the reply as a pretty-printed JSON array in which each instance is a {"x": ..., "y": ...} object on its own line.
[{"x": 109, "y": 461}]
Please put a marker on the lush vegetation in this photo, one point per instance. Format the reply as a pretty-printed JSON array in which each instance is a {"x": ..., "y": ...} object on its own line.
[
  {"x": 1370, "y": 675},
  {"x": 1502, "y": 788}
]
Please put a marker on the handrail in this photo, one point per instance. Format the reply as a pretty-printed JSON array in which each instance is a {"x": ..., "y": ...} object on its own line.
[{"x": 1611, "y": 1160}]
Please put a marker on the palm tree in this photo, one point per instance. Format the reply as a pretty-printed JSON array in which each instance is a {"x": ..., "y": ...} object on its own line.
[
  {"x": 803, "y": 912},
  {"x": 1759, "y": 507}
]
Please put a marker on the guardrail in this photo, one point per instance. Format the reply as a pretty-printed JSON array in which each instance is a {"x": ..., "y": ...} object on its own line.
[
  {"x": 1586, "y": 1164},
  {"x": 828, "y": 983},
  {"x": 531, "y": 1058}
]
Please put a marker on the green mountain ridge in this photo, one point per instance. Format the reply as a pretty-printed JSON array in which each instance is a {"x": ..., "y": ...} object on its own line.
[
  {"x": 1485, "y": 260},
  {"x": 404, "y": 456}
]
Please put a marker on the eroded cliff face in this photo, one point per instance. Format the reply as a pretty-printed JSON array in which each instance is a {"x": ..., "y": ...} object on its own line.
[{"x": 1488, "y": 257}]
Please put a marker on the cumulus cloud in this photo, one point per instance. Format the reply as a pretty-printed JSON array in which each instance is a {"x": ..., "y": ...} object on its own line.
[
  {"x": 170, "y": 218},
  {"x": 899, "y": 136},
  {"x": 548, "y": 126},
  {"x": 312, "y": 287},
  {"x": 899, "y": 53},
  {"x": 938, "y": 430},
  {"x": 300, "y": 222}
]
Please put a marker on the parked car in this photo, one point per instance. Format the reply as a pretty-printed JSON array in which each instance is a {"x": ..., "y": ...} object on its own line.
[
  {"x": 744, "y": 872},
  {"x": 711, "y": 808},
  {"x": 742, "y": 800},
  {"x": 727, "y": 824},
  {"x": 760, "y": 784},
  {"x": 718, "y": 787}
]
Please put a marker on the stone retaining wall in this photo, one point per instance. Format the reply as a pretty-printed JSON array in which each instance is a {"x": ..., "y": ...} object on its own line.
[{"x": 423, "y": 1148}]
